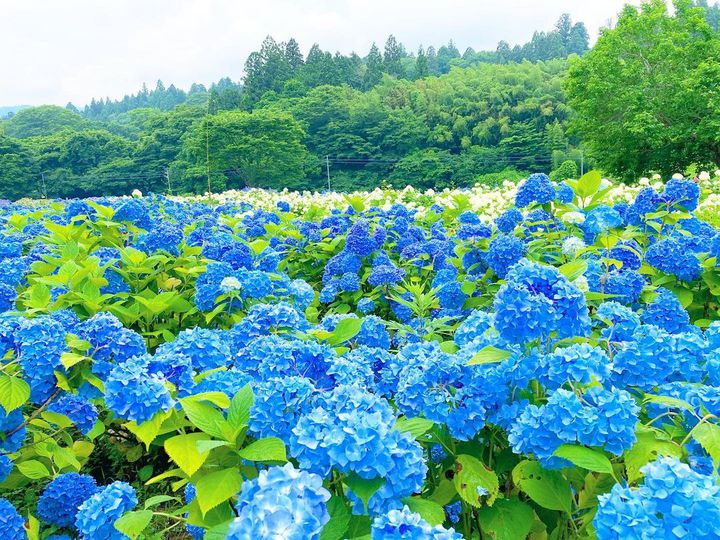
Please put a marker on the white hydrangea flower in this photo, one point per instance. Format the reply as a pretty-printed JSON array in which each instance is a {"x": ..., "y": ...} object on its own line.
[
  {"x": 572, "y": 245},
  {"x": 137, "y": 193},
  {"x": 644, "y": 181},
  {"x": 230, "y": 283},
  {"x": 704, "y": 176},
  {"x": 582, "y": 284},
  {"x": 677, "y": 176},
  {"x": 574, "y": 218}
]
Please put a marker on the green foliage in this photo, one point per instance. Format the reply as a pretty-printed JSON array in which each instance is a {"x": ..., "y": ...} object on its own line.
[{"x": 645, "y": 97}]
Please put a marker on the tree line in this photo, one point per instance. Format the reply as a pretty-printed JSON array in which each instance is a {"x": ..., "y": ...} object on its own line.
[{"x": 644, "y": 99}]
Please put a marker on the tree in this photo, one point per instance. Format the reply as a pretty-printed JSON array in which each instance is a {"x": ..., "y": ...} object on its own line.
[
  {"x": 43, "y": 120},
  {"x": 265, "y": 70},
  {"x": 646, "y": 96},
  {"x": 18, "y": 177},
  {"x": 421, "y": 64},
  {"x": 374, "y": 63},
  {"x": 392, "y": 59},
  {"x": 263, "y": 148},
  {"x": 563, "y": 27},
  {"x": 579, "y": 41},
  {"x": 293, "y": 55}
]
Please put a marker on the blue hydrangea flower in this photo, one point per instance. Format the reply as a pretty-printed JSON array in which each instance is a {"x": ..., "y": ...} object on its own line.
[
  {"x": 6, "y": 467},
  {"x": 63, "y": 496},
  {"x": 350, "y": 429},
  {"x": 666, "y": 312},
  {"x": 366, "y": 305},
  {"x": 565, "y": 193},
  {"x": 646, "y": 360},
  {"x": 133, "y": 212},
  {"x": 361, "y": 241},
  {"x": 673, "y": 502},
  {"x": 111, "y": 343},
  {"x": 508, "y": 220},
  {"x": 536, "y": 189},
  {"x": 684, "y": 193},
  {"x": 504, "y": 251},
  {"x": 674, "y": 256},
  {"x": 282, "y": 502},
  {"x": 41, "y": 343},
  {"x": 11, "y": 423},
  {"x": 79, "y": 410},
  {"x": 12, "y": 526},
  {"x": 207, "y": 349},
  {"x": 538, "y": 300},
  {"x": 579, "y": 362},
  {"x": 97, "y": 515},
  {"x": 279, "y": 403},
  {"x": 602, "y": 417},
  {"x": 621, "y": 322},
  {"x": 134, "y": 394},
  {"x": 407, "y": 525}
]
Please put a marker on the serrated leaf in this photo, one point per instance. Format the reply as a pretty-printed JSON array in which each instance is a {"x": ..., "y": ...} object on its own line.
[
  {"x": 430, "y": 511},
  {"x": 416, "y": 427},
  {"x": 708, "y": 435},
  {"x": 207, "y": 418},
  {"x": 33, "y": 469},
  {"x": 267, "y": 449},
  {"x": 364, "y": 488},
  {"x": 345, "y": 330},
  {"x": 547, "y": 488},
  {"x": 217, "y": 487},
  {"x": 507, "y": 519},
  {"x": 133, "y": 523},
  {"x": 649, "y": 445},
  {"x": 336, "y": 527},
  {"x": 473, "y": 480},
  {"x": 584, "y": 457},
  {"x": 239, "y": 411},
  {"x": 183, "y": 450},
  {"x": 147, "y": 431},
  {"x": 489, "y": 355},
  {"x": 158, "y": 499},
  {"x": 14, "y": 392}
]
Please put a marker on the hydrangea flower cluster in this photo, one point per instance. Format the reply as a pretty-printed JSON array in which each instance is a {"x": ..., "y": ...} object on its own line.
[
  {"x": 282, "y": 502},
  {"x": 97, "y": 515}
]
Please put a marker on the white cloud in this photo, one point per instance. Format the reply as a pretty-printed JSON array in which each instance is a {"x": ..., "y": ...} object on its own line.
[{"x": 55, "y": 52}]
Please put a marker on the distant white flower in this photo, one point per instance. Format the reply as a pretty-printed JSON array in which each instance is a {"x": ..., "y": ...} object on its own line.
[
  {"x": 572, "y": 245},
  {"x": 582, "y": 283},
  {"x": 717, "y": 173},
  {"x": 656, "y": 176},
  {"x": 136, "y": 193},
  {"x": 677, "y": 176},
  {"x": 704, "y": 176},
  {"x": 575, "y": 218},
  {"x": 230, "y": 283},
  {"x": 644, "y": 181}
]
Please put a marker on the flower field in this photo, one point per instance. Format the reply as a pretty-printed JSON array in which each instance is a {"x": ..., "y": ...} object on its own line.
[{"x": 538, "y": 361}]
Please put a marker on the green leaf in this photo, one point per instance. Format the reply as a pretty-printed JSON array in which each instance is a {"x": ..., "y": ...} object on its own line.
[
  {"x": 183, "y": 450},
  {"x": 267, "y": 449},
  {"x": 547, "y": 488},
  {"x": 573, "y": 269},
  {"x": 416, "y": 427},
  {"x": 336, "y": 528},
  {"x": 507, "y": 519},
  {"x": 649, "y": 445},
  {"x": 239, "y": 411},
  {"x": 14, "y": 392},
  {"x": 217, "y": 487},
  {"x": 473, "y": 480},
  {"x": 588, "y": 183},
  {"x": 69, "y": 359},
  {"x": 345, "y": 330},
  {"x": 33, "y": 469},
  {"x": 489, "y": 355},
  {"x": 584, "y": 457},
  {"x": 158, "y": 499},
  {"x": 669, "y": 402},
  {"x": 147, "y": 431},
  {"x": 207, "y": 418},
  {"x": 133, "y": 523},
  {"x": 430, "y": 511},
  {"x": 364, "y": 488},
  {"x": 217, "y": 398},
  {"x": 708, "y": 435}
]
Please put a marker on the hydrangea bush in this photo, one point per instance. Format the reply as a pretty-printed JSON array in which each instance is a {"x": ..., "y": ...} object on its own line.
[{"x": 396, "y": 365}]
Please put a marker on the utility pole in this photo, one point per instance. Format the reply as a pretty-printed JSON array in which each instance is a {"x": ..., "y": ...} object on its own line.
[
  {"x": 44, "y": 186},
  {"x": 582, "y": 163},
  {"x": 166, "y": 172},
  {"x": 327, "y": 168}
]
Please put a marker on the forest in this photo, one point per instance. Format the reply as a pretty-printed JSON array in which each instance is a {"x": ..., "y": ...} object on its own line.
[{"x": 429, "y": 118}]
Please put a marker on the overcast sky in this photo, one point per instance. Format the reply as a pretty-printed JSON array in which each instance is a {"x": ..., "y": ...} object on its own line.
[{"x": 72, "y": 50}]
